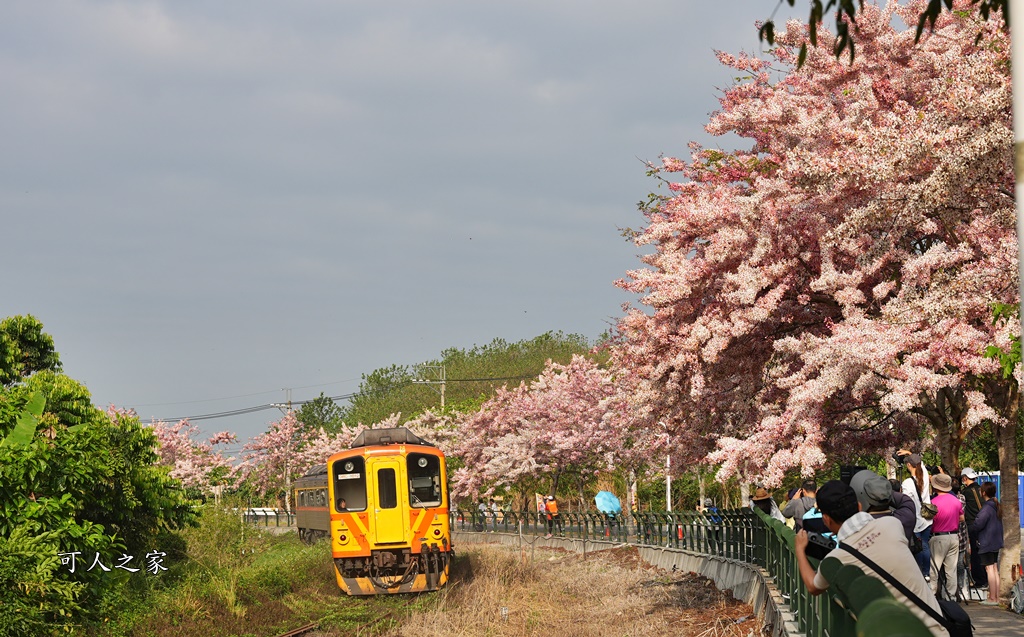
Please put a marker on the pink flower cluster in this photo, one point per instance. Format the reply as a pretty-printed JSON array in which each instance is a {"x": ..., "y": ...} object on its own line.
[{"x": 813, "y": 295}]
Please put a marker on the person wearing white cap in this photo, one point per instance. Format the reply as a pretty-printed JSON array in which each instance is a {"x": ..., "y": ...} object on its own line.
[{"x": 973, "y": 501}]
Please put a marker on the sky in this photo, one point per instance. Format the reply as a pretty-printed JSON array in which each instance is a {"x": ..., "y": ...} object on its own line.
[{"x": 209, "y": 204}]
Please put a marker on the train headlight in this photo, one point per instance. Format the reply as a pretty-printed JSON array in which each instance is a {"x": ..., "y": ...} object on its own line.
[
  {"x": 422, "y": 462},
  {"x": 349, "y": 467}
]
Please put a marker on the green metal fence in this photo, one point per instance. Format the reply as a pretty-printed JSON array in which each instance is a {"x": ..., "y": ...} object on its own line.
[{"x": 743, "y": 535}]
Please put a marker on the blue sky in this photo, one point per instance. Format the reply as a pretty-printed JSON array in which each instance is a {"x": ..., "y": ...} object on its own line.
[{"x": 207, "y": 203}]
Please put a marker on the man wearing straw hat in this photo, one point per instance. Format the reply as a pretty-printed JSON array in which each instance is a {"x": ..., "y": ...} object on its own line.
[{"x": 945, "y": 542}]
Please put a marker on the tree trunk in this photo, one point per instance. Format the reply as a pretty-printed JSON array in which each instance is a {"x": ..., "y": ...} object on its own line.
[
  {"x": 632, "y": 504},
  {"x": 945, "y": 412},
  {"x": 287, "y": 487},
  {"x": 1009, "y": 557},
  {"x": 554, "y": 481},
  {"x": 701, "y": 485},
  {"x": 744, "y": 492}
]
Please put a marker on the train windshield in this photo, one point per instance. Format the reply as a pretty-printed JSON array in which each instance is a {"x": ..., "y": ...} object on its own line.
[
  {"x": 387, "y": 489},
  {"x": 349, "y": 475},
  {"x": 424, "y": 473}
]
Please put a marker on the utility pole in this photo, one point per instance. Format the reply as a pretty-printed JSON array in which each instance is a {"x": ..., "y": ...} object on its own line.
[
  {"x": 441, "y": 377},
  {"x": 668, "y": 483},
  {"x": 1008, "y": 488},
  {"x": 285, "y": 410}
]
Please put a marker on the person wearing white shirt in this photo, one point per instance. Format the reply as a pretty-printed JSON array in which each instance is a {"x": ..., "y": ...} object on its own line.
[{"x": 918, "y": 488}]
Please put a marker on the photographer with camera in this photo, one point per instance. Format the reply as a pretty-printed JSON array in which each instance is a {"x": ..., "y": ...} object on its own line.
[
  {"x": 945, "y": 543},
  {"x": 801, "y": 502},
  {"x": 918, "y": 488},
  {"x": 876, "y": 497},
  {"x": 973, "y": 501},
  {"x": 881, "y": 540}
]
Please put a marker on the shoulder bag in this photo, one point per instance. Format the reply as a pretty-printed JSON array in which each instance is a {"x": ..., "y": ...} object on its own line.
[{"x": 953, "y": 618}]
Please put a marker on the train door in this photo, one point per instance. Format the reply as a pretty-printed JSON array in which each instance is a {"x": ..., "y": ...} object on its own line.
[{"x": 387, "y": 507}]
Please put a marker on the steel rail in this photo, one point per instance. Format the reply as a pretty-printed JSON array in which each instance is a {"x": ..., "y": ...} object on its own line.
[{"x": 295, "y": 632}]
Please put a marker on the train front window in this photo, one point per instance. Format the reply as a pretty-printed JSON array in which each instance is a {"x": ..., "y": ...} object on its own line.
[
  {"x": 424, "y": 473},
  {"x": 349, "y": 475},
  {"x": 387, "y": 489}
]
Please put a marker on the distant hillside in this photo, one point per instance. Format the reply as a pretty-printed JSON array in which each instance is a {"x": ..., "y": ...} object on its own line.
[{"x": 471, "y": 377}]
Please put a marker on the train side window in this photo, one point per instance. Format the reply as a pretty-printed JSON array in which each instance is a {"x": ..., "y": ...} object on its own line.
[
  {"x": 302, "y": 498},
  {"x": 424, "y": 471},
  {"x": 349, "y": 475}
]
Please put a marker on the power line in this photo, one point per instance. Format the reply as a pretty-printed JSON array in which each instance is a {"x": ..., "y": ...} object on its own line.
[
  {"x": 250, "y": 410},
  {"x": 219, "y": 414},
  {"x": 475, "y": 380},
  {"x": 257, "y": 408},
  {"x": 259, "y": 393}
]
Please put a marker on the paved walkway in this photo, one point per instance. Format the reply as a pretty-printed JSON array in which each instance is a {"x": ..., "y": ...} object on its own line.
[{"x": 993, "y": 621}]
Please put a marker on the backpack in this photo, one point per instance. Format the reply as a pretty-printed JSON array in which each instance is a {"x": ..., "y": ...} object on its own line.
[{"x": 1017, "y": 596}]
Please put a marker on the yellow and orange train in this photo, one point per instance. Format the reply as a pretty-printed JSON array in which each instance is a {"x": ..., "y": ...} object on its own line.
[{"x": 384, "y": 504}]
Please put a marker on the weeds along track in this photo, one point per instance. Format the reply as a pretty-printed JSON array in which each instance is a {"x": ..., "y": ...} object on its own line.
[{"x": 366, "y": 627}]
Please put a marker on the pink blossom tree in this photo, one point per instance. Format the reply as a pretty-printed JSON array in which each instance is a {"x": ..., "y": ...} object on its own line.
[
  {"x": 288, "y": 449},
  {"x": 270, "y": 461},
  {"x": 200, "y": 465},
  {"x": 827, "y": 291},
  {"x": 563, "y": 422}
]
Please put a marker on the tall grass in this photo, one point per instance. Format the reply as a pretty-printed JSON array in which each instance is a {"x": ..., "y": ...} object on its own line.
[
  {"x": 238, "y": 580},
  {"x": 498, "y": 591}
]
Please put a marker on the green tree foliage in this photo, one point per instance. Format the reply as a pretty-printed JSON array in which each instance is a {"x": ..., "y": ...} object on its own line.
[
  {"x": 471, "y": 376},
  {"x": 846, "y": 20},
  {"x": 73, "y": 479},
  {"x": 320, "y": 412},
  {"x": 31, "y": 590},
  {"x": 25, "y": 349}
]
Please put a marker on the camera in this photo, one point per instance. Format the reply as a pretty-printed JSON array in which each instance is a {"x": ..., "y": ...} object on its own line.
[
  {"x": 900, "y": 457},
  {"x": 819, "y": 545},
  {"x": 846, "y": 472}
]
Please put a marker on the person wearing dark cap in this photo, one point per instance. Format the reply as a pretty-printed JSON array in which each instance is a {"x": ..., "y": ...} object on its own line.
[
  {"x": 800, "y": 503},
  {"x": 973, "y": 501},
  {"x": 881, "y": 540},
  {"x": 875, "y": 495},
  {"x": 945, "y": 541}
]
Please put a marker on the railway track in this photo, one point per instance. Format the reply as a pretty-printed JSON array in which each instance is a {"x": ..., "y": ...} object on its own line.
[{"x": 301, "y": 630}]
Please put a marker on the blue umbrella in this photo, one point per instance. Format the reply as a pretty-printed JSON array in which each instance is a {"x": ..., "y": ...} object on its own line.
[{"x": 607, "y": 503}]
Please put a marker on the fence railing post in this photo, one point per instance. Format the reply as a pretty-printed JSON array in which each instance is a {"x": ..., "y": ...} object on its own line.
[{"x": 744, "y": 535}]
